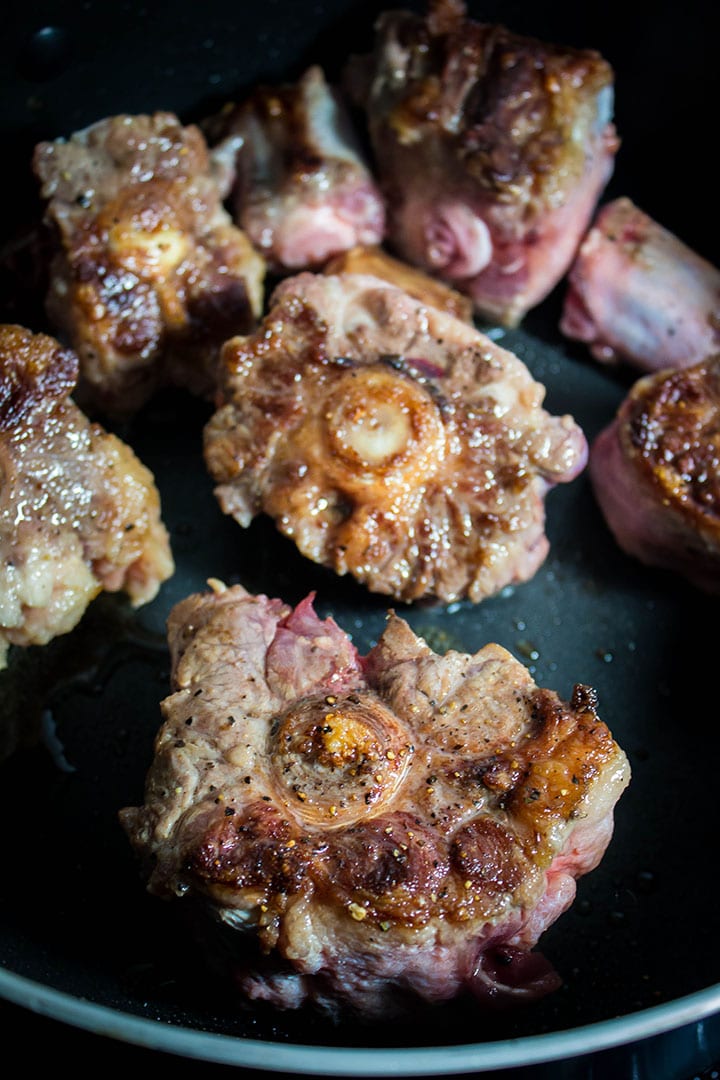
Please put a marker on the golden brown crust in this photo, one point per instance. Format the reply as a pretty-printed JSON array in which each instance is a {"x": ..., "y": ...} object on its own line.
[
  {"x": 357, "y": 804},
  {"x": 405, "y": 867},
  {"x": 374, "y": 826},
  {"x": 672, "y": 436},
  {"x": 389, "y": 440},
  {"x": 150, "y": 275},
  {"x": 505, "y": 105},
  {"x": 373, "y": 260},
  {"x": 35, "y": 370}
]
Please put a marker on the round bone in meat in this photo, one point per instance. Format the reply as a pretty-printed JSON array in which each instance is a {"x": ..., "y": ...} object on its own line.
[
  {"x": 369, "y": 830},
  {"x": 389, "y": 440}
]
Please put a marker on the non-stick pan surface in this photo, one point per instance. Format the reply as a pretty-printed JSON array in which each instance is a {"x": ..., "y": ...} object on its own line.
[{"x": 79, "y": 938}]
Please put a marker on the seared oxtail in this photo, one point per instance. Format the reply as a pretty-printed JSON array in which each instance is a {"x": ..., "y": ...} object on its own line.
[{"x": 367, "y": 833}]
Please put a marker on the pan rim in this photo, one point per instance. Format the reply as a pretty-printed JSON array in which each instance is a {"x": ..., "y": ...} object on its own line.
[{"x": 273, "y": 1057}]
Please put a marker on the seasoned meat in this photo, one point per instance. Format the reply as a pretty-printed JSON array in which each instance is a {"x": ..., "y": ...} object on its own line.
[
  {"x": 375, "y": 830},
  {"x": 656, "y": 472},
  {"x": 304, "y": 191},
  {"x": 150, "y": 274},
  {"x": 491, "y": 150},
  {"x": 389, "y": 439},
  {"x": 373, "y": 260},
  {"x": 638, "y": 294},
  {"x": 78, "y": 512}
]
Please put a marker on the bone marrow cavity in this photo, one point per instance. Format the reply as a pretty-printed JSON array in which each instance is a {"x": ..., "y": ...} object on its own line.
[
  {"x": 380, "y": 422},
  {"x": 337, "y": 756}
]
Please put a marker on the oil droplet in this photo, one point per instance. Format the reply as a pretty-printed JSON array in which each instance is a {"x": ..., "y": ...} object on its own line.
[
  {"x": 646, "y": 881},
  {"x": 46, "y": 54},
  {"x": 52, "y": 741},
  {"x": 528, "y": 650}
]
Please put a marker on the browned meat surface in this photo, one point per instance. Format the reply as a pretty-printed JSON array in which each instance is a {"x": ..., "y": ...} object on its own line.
[
  {"x": 78, "y": 512},
  {"x": 389, "y": 440},
  {"x": 150, "y": 275},
  {"x": 375, "y": 830},
  {"x": 638, "y": 294},
  {"x": 656, "y": 472},
  {"x": 304, "y": 191},
  {"x": 373, "y": 260},
  {"x": 491, "y": 149}
]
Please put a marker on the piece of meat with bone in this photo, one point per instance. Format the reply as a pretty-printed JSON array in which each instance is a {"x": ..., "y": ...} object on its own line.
[
  {"x": 491, "y": 150},
  {"x": 372, "y": 832},
  {"x": 655, "y": 471},
  {"x": 637, "y": 294},
  {"x": 79, "y": 513},
  {"x": 389, "y": 440},
  {"x": 149, "y": 275},
  {"x": 303, "y": 190}
]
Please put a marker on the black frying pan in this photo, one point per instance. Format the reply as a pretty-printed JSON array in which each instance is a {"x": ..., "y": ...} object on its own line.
[{"x": 80, "y": 941}]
